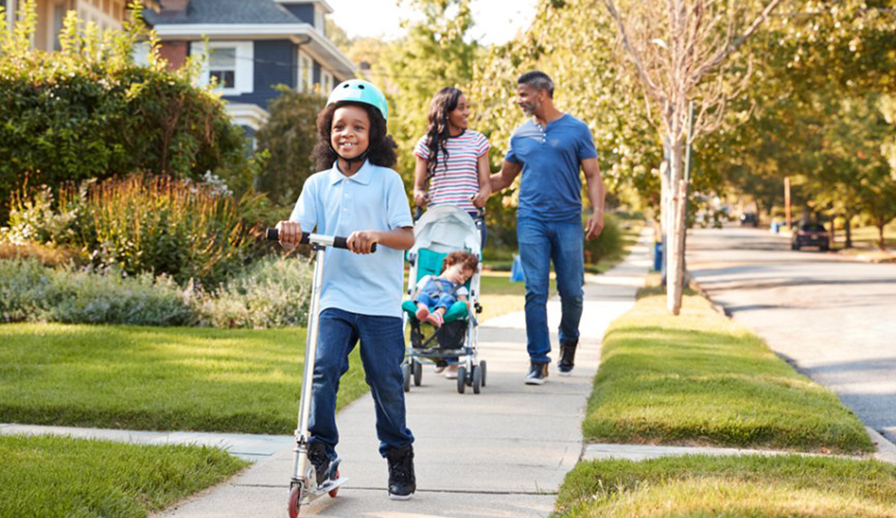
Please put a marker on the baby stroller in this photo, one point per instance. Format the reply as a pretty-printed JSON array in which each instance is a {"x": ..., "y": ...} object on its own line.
[{"x": 440, "y": 231}]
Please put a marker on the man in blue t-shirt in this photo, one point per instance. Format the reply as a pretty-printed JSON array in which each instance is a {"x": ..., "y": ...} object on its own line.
[{"x": 549, "y": 149}]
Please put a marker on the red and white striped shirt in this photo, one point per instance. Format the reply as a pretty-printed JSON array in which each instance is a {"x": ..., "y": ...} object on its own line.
[{"x": 457, "y": 178}]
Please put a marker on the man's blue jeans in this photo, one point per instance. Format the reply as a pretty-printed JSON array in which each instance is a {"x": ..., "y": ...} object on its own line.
[
  {"x": 382, "y": 351},
  {"x": 542, "y": 242}
]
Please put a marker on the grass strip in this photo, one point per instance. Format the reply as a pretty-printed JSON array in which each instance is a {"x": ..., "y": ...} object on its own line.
[
  {"x": 790, "y": 486},
  {"x": 58, "y": 476},
  {"x": 151, "y": 378},
  {"x": 701, "y": 379}
]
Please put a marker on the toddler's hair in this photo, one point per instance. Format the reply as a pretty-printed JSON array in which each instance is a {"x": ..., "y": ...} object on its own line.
[
  {"x": 469, "y": 260},
  {"x": 381, "y": 146}
]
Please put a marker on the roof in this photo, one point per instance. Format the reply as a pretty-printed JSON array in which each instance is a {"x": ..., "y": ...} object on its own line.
[{"x": 225, "y": 11}]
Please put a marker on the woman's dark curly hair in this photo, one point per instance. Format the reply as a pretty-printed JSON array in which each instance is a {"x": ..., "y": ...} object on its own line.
[
  {"x": 381, "y": 150},
  {"x": 437, "y": 134}
]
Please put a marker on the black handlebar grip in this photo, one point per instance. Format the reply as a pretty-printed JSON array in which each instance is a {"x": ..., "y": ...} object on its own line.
[{"x": 273, "y": 234}]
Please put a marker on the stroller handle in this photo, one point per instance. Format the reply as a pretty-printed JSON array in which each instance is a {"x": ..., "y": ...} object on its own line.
[{"x": 272, "y": 234}]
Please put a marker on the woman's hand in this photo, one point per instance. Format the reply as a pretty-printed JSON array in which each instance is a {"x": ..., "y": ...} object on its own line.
[
  {"x": 289, "y": 234},
  {"x": 420, "y": 197},
  {"x": 481, "y": 197}
]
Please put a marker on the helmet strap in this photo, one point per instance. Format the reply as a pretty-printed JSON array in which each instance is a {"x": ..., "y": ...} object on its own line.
[{"x": 351, "y": 161}]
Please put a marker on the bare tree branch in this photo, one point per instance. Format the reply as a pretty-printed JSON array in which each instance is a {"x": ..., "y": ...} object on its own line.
[
  {"x": 633, "y": 54},
  {"x": 731, "y": 48}
]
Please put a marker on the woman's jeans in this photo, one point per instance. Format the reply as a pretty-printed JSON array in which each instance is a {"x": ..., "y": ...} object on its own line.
[
  {"x": 382, "y": 351},
  {"x": 542, "y": 242}
]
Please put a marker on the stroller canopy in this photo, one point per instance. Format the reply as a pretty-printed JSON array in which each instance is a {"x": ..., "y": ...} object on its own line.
[{"x": 446, "y": 229}]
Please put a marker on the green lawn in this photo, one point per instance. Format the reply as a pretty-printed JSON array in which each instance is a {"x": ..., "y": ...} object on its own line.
[
  {"x": 701, "y": 379},
  {"x": 55, "y": 476},
  {"x": 149, "y": 378},
  {"x": 749, "y": 486}
]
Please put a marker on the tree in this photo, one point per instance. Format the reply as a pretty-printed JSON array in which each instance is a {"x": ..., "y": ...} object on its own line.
[
  {"x": 572, "y": 41},
  {"x": 679, "y": 50},
  {"x": 288, "y": 138},
  {"x": 88, "y": 111},
  {"x": 434, "y": 54}
]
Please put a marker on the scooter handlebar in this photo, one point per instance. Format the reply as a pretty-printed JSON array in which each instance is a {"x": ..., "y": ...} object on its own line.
[{"x": 273, "y": 234}]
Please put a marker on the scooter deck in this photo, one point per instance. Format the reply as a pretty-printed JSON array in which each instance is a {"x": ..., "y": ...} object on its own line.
[{"x": 322, "y": 490}]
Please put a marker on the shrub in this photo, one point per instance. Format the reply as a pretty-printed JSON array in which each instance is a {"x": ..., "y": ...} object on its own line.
[
  {"x": 607, "y": 244},
  {"x": 184, "y": 229},
  {"x": 88, "y": 111},
  {"x": 32, "y": 292},
  {"x": 273, "y": 292}
]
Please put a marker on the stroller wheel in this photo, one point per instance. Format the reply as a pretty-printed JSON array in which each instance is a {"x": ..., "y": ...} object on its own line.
[
  {"x": 461, "y": 379},
  {"x": 418, "y": 373},
  {"x": 406, "y": 374},
  {"x": 477, "y": 378},
  {"x": 295, "y": 501},
  {"x": 482, "y": 371}
]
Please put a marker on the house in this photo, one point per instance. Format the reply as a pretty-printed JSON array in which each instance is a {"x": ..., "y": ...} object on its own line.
[
  {"x": 251, "y": 45},
  {"x": 107, "y": 14}
]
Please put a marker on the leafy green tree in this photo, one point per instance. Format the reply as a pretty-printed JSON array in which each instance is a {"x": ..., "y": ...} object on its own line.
[
  {"x": 288, "y": 139},
  {"x": 88, "y": 111},
  {"x": 434, "y": 54}
]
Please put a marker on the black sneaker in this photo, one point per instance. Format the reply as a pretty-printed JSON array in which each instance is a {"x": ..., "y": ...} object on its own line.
[
  {"x": 567, "y": 358},
  {"x": 317, "y": 455},
  {"x": 402, "y": 482},
  {"x": 537, "y": 373}
]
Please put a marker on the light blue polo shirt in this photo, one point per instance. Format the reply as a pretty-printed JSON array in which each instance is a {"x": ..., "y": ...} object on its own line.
[
  {"x": 372, "y": 199},
  {"x": 551, "y": 185}
]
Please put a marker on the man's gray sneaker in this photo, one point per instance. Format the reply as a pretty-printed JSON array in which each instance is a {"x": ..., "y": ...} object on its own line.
[
  {"x": 567, "y": 358},
  {"x": 537, "y": 373}
]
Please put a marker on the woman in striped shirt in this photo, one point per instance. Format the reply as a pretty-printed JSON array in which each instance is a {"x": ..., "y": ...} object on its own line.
[{"x": 452, "y": 159}]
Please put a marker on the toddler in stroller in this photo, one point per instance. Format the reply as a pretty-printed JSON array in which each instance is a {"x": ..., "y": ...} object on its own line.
[
  {"x": 445, "y": 257},
  {"x": 435, "y": 295}
]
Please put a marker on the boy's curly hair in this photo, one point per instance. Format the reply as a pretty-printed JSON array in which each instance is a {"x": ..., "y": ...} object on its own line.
[
  {"x": 469, "y": 260},
  {"x": 381, "y": 148}
]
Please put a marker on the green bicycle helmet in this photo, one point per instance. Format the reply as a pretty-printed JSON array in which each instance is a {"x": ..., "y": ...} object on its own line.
[{"x": 359, "y": 91}]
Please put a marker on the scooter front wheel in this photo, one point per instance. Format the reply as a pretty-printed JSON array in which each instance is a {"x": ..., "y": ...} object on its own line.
[{"x": 295, "y": 501}]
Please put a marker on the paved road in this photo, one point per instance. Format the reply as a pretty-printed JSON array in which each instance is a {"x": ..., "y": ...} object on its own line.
[{"x": 834, "y": 319}]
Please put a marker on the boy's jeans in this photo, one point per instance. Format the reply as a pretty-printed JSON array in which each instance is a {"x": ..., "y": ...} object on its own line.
[
  {"x": 382, "y": 351},
  {"x": 540, "y": 243}
]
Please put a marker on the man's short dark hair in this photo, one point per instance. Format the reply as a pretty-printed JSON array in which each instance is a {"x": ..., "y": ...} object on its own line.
[{"x": 538, "y": 80}]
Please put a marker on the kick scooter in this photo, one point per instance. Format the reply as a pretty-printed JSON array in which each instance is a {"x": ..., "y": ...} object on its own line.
[{"x": 303, "y": 486}]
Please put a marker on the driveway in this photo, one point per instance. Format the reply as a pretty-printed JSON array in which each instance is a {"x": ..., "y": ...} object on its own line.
[{"x": 834, "y": 319}]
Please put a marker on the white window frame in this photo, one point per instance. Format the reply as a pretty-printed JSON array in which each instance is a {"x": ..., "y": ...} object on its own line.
[
  {"x": 305, "y": 70},
  {"x": 326, "y": 82},
  {"x": 319, "y": 20},
  {"x": 244, "y": 73}
]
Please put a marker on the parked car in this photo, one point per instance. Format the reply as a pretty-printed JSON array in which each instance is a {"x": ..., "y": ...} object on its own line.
[
  {"x": 810, "y": 234},
  {"x": 749, "y": 219}
]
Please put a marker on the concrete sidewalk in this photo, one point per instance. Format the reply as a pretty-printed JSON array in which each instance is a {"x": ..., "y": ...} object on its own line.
[{"x": 501, "y": 453}]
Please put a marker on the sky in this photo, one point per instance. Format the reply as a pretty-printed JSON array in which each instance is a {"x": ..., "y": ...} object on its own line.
[{"x": 497, "y": 20}]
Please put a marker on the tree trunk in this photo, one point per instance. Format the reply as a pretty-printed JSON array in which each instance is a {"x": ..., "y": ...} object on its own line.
[
  {"x": 847, "y": 229},
  {"x": 675, "y": 273},
  {"x": 880, "y": 234}
]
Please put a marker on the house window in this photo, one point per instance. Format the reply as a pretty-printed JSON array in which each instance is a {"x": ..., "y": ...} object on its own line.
[
  {"x": 326, "y": 82},
  {"x": 306, "y": 74},
  {"x": 230, "y": 63},
  {"x": 222, "y": 67}
]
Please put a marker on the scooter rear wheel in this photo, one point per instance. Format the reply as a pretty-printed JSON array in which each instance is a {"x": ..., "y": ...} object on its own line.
[
  {"x": 334, "y": 492},
  {"x": 295, "y": 501}
]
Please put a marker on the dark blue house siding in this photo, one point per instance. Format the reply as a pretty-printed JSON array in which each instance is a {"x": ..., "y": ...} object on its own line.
[
  {"x": 316, "y": 78},
  {"x": 304, "y": 12},
  {"x": 275, "y": 63}
]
